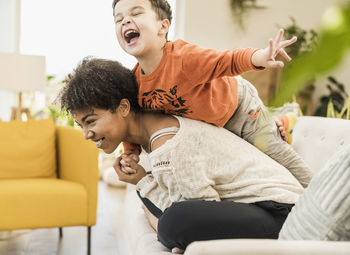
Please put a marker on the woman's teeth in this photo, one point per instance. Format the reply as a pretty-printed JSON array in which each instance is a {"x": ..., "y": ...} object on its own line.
[{"x": 99, "y": 143}]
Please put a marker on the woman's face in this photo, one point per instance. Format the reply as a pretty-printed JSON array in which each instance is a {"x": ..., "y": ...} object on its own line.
[{"x": 106, "y": 129}]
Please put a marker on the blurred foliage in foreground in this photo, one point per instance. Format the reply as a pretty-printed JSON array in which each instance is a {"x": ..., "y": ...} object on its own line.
[{"x": 334, "y": 44}]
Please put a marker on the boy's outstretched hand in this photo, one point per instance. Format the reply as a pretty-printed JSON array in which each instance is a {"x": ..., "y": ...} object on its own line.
[{"x": 266, "y": 57}]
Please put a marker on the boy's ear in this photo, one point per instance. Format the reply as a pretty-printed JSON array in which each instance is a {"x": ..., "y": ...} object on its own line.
[
  {"x": 165, "y": 24},
  {"x": 124, "y": 107}
]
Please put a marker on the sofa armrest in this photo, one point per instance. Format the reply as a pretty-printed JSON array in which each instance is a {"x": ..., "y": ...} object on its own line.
[
  {"x": 77, "y": 161},
  {"x": 267, "y": 247}
]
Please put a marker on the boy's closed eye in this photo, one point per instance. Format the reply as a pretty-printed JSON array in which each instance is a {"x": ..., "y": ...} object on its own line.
[
  {"x": 118, "y": 18},
  {"x": 136, "y": 13}
]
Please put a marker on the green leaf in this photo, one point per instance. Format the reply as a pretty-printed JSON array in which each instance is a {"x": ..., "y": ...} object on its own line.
[
  {"x": 334, "y": 44},
  {"x": 330, "y": 110}
]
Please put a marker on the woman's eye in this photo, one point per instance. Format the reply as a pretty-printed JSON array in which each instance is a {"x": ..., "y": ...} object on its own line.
[
  {"x": 118, "y": 21},
  {"x": 89, "y": 122},
  {"x": 136, "y": 13}
]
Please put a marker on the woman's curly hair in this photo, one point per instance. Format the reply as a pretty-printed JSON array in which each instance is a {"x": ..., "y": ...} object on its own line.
[{"x": 98, "y": 83}]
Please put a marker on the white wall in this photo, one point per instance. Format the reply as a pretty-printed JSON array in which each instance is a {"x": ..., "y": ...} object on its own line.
[
  {"x": 210, "y": 24},
  {"x": 65, "y": 31},
  {"x": 7, "y": 44}
]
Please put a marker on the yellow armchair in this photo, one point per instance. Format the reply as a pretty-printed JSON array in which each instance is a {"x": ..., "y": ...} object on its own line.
[{"x": 48, "y": 177}]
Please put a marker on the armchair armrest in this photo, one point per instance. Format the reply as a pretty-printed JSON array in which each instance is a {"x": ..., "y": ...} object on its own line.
[
  {"x": 77, "y": 161},
  {"x": 267, "y": 247}
]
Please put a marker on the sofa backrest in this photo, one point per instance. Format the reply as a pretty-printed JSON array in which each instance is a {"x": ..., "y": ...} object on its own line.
[
  {"x": 27, "y": 149},
  {"x": 316, "y": 139}
]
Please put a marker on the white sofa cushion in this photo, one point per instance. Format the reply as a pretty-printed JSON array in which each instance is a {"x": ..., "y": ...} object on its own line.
[{"x": 316, "y": 139}]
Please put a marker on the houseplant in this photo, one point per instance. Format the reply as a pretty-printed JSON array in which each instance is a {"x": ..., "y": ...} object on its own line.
[
  {"x": 335, "y": 101},
  {"x": 307, "y": 41},
  {"x": 333, "y": 46},
  {"x": 240, "y": 9}
]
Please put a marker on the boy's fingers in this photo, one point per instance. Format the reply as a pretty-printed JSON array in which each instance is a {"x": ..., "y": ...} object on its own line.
[
  {"x": 271, "y": 49},
  {"x": 132, "y": 163},
  {"x": 275, "y": 64},
  {"x": 118, "y": 168},
  {"x": 135, "y": 157},
  {"x": 279, "y": 36},
  {"x": 124, "y": 170},
  {"x": 288, "y": 42},
  {"x": 124, "y": 162},
  {"x": 129, "y": 161},
  {"x": 130, "y": 170},
  {"x": 284, "y": 54}
]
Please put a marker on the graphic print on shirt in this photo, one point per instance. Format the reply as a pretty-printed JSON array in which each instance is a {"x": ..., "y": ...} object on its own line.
[{"x": 158, "y": 98}]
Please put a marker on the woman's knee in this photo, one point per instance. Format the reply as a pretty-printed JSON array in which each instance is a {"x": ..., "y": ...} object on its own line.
[{"x": 173, "y": 225}]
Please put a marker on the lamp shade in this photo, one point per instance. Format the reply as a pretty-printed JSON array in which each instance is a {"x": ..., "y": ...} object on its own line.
[{"x": 22, "y": 72}]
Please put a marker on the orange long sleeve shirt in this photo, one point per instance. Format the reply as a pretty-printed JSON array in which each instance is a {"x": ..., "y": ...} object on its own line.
[{"x": 194, "y": 82}]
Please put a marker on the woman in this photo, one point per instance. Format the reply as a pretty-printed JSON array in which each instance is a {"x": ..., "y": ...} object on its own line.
[{"x": 205, "y": 183}]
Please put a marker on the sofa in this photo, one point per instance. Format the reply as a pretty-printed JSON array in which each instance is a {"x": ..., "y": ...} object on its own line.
[
  {"x": 316, "y": 139},
  {"x": 48, "y": 177}
]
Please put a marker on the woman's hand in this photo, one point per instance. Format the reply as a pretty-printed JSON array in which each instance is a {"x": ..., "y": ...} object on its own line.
[
  {"x": 124, "y": 166},
  {"x": 134, "y": 177}
]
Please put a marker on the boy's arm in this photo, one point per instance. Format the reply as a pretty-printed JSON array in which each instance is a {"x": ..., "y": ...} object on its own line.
[
  {"x": 200, "y": 66},
  {"x": 203, "y": 65},
  {"x": 130, "y": 148}
]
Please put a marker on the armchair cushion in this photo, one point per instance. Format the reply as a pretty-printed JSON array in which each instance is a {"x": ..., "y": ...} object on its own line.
[
  {"x": 27, "y": 149},
  {"x": 42, "y": 203}
]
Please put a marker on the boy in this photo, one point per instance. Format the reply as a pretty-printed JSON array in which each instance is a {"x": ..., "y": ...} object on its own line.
[{"x": 186, "y": 80}]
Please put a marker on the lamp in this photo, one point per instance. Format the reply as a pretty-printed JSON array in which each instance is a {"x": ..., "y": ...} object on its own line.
[{"x": 21, "y": 73}]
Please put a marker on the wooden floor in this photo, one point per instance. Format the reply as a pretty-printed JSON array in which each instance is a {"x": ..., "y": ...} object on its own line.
[{"x": 105, "y": 237}]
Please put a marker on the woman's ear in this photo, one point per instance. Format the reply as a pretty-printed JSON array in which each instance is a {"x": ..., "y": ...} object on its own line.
[
  {"x": 124, "y": 107},
  {"x": 165, "y": 24}
]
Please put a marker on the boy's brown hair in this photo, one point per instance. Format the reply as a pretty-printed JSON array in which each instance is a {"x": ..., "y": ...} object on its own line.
[{"x": 161, "y": 7}]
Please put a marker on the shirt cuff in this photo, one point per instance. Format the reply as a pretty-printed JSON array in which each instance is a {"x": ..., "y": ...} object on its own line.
[
  {"x": 256, "y": 68},
  {"x": 144, "y": 182}
]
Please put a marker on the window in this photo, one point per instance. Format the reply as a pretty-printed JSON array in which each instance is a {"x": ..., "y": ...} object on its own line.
[{"x": 65, "y": 31}]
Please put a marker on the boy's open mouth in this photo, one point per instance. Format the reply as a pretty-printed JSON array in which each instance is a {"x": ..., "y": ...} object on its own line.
[{"x": 131, "y": 35}]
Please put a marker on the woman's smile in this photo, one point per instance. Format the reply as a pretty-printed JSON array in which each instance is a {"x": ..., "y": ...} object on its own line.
[{"x": 99, "y": 142}]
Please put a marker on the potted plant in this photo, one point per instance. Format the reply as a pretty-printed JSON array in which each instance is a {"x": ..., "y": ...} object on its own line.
[{"x": 240, "y": 8}]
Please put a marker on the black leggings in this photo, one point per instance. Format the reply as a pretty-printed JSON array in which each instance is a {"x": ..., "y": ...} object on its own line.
[{"x": 197, "y": 220}]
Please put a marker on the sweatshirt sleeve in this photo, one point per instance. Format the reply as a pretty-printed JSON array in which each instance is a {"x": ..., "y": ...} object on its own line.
[
  {"x": 158, "y": 195},
  {"x": 203, "y": 65},
  {"x": 192, "y": 183}
]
